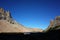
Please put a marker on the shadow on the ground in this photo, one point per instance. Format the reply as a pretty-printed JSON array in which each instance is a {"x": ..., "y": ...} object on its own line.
[{"x": 51, "y": 35}]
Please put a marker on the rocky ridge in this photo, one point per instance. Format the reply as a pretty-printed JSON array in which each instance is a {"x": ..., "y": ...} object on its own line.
[
  {"x": 8, "y": 24},
  {"x": 54, "y": 24}
]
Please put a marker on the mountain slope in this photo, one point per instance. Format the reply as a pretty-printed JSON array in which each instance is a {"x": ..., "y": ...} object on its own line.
[
  {"x": 7, "y": 27},
  {"x": 8, "y": 24}
]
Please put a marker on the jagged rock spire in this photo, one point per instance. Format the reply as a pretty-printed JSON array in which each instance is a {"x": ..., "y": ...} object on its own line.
[
  {"x": 57, "y": 21},
  {"x": 5, "y": 15},
  {"x": 1, "y": 13}
]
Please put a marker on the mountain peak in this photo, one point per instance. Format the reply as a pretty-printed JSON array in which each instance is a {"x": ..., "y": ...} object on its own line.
[{"x": 5, "y": 15}]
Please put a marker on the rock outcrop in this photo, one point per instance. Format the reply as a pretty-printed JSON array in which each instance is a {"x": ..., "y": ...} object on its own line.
[
  {"x": 54, "y": 24},
  {"x": 8, "y": 24},
  {"x": 5, "y": 15}
]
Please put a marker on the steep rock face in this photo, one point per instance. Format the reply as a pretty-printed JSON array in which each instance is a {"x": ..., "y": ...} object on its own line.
[
  {"x": 57, "y": 21},
  {"x": 8, "y": 24},
  {"x": 54, "y": 24}
]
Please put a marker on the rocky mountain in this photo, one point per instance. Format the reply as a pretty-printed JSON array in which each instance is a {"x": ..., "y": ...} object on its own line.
[
  {"x": 54, "y": 24},
  {"x": 8, "y": 24}
]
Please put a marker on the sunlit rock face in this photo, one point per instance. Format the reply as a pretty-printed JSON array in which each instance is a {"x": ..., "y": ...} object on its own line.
[
  {"x": 57, "y": 21},
  {"x": 54, "y": 23},
  {"x": 8, "y": 24},
  {"x": 50, "y": 25},
  {"x": 5, "y": 15}
]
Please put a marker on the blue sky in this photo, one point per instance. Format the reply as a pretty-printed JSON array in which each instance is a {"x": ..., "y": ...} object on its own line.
[{"x": 32, "y": 13}]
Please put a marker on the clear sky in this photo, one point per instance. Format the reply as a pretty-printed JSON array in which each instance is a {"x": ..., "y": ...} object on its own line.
[{"x": 32, "y": 13}]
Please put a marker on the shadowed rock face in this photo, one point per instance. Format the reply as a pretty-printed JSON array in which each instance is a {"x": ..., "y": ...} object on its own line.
[{"x": 8, "y": 24}]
